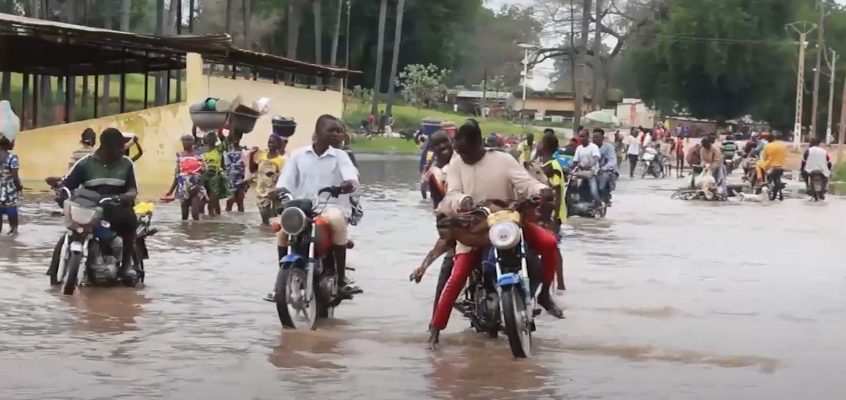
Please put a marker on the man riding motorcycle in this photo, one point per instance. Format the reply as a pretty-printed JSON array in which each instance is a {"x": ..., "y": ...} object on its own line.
[
  {"x": 607, "y": 163},
  {"x": 773, "y": 156},
  {"x": 587, "y": 161},
  {"x": 479, "y": 175},
  {"x": 310, "y": 169},
  {"x": 816, "y": 159},
  {"x": 109, "y": 173}
]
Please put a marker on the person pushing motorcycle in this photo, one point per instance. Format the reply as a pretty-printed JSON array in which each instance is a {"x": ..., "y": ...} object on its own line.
[
  {"x": 475, "y": 176},
  {"x": 111, "y": 174}
]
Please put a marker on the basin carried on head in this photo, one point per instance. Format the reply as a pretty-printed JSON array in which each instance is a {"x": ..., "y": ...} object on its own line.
[
  {"x": 205, "y": 119},
  {"x": 285, "y": 127},
  {"x": 243, "y": 119}
]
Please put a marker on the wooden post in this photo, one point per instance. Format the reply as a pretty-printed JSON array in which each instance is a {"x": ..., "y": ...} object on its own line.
[
  {"x": 36, "y": 89},
  {"x": 96, "y": 95},
  {"x": 122, "y": 92},
  {"x": 167, "y": 86},
  {"x": 68, "y": 99},
  {"x": 24, "y": 95}
]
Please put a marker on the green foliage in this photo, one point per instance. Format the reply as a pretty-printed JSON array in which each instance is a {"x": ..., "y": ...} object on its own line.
[
  {"x": 713, "y": 78},
  {"x": 839, "y": 173},
  {"x": 422, "y": 85}
]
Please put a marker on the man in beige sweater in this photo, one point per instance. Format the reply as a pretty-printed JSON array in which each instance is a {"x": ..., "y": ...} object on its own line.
[{"x": 475, "y": 176}]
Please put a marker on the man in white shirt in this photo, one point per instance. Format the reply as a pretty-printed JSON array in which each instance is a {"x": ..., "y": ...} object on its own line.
[
  {"x": 312, "y": 168},
  {"x": 587, "y": 160},
  {"x": 633, "y": 151},
  {"x": 816, "y": 159}
]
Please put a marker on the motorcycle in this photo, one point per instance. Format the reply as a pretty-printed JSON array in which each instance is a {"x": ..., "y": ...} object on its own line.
[
  {"x": 653, "y": 163},
  {"x": 578, "y": 197},
  {"x": 748, "y": 165},
  {"x": 90, "y": 243},
  {"x": 816, "y": 185},
  {"x": 774, "y": 185},
  {"x": 307, "y": 281},
  {"x": 705, "y": 188},
  {"x": 499, "y": 295}
]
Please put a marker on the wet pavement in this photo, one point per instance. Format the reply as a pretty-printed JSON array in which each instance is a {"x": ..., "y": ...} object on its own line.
[{"x": 667, "y": 300}]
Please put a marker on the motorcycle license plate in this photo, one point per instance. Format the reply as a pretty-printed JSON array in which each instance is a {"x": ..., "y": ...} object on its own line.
[{"x": 76, "y": 246}]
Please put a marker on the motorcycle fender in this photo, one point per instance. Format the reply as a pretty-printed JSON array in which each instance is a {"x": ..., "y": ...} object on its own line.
[
  {"x": 291, "y": 260},
  {"x": 508, "y": 279}
]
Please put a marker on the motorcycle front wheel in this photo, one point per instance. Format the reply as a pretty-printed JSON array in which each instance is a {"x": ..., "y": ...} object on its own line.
[
  {"x": 55, "y": 260},
  {"x": 292, "y": 294},
  {"x": 516, "y": 327},
  {"x": 71, "y": 276}
]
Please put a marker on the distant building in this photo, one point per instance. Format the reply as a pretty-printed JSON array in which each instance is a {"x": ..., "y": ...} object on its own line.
[
  {"x": 634, "y": 112},
  {"x": 471, "y": 101},
  {"x": 546, "y": 105}
]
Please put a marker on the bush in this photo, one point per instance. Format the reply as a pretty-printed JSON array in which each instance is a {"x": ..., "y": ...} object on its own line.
[{"x": 839, "y": 173}]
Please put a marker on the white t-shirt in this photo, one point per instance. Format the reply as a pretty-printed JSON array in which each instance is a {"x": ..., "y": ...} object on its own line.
[
  {"x": 634, "y": 145},
  {"x": 817, "y": 161},
  {"x": 587, "y": 156}
]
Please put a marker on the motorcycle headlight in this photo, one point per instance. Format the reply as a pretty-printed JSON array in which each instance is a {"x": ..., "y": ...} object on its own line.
[
  {"x": 504, "y": 235},
  {"x": 293, "y": 220},
  {"x": 79, "y": 215}
]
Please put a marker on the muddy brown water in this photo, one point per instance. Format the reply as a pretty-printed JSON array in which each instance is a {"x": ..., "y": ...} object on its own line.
[{"x": 667, "y": 300}]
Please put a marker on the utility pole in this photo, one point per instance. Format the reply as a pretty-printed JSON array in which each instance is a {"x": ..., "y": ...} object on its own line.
[
  {"x": 842, "y": 134},
  {"x": 820, "y": 50},
  {"x": 803, "y": 28},
  {"x": 831, "y": 66}
]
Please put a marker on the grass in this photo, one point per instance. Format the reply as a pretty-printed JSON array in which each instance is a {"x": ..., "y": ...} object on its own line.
[
  {"x": 134, "y": 95},
  {"x": 839, "y": 173},
  {"x": 407, "y": 116},
  {"x": 383, "y": 145}
]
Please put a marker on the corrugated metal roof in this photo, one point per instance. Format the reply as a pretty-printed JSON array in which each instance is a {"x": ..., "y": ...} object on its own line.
[{"x": 57, "y": 48}]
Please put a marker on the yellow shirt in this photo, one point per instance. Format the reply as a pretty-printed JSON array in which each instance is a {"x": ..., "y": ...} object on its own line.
[
  {"x": 525, "y": 151},
  {"x": 279, "y": 160},
  {"x": 775, "y": 154},
  {"x": 557, "y": 179}
]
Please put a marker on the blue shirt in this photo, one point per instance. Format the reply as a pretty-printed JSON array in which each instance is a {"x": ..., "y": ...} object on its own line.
[{"x": 608, "y": 157}]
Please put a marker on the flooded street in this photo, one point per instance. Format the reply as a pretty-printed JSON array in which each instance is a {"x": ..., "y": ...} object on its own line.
[{"x": 667, "y": 300}]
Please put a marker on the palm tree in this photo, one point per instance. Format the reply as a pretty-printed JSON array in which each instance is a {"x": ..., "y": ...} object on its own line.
[
  {"x": 397, "y": 41},
  {"x": 333, "y": 57},
  {"x": 380, "y": 52},
  {"x": 245, "y": 14}
]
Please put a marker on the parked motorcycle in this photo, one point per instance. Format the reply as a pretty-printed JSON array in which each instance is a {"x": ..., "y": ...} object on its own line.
[
  {"x": 816, "y": 185},
  {"x": 90, "y": 246},
  {"x": 577, "y": 194},
  {"x": 704, "y": 188},
  {"x": 307, "y": 282},
  {"x": 653, "y": 163}
]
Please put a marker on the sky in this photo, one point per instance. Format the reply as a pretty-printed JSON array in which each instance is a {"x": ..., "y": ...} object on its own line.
[{"x": 541, "y": 74}]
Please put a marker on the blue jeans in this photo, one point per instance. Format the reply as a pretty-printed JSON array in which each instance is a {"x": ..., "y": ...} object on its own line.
[{"x": 720, "y": 177}]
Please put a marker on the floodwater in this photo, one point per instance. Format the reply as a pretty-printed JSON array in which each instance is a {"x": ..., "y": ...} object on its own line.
[{"x": 667, "y": 300}]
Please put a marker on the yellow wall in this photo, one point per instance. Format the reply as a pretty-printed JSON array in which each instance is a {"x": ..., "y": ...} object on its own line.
[
  {"x": 304, "y": 105},
  {"x": 46, "y": 151}
]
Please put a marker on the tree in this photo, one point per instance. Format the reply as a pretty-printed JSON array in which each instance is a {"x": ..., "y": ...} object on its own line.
[
  {"x": 610, "y": 21},
  {"x": 395, "y": 60},
  {"x": 723, "y": 59},
  {"x": 333, "y": 57},
  {"x": 423, "y": 85},
  {"x": 380, "y": 54}
]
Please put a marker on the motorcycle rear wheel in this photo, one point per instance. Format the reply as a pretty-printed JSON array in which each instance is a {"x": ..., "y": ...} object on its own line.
[
  {"x": 518, "y": 331},
  {"x": 72, "y": 276}
]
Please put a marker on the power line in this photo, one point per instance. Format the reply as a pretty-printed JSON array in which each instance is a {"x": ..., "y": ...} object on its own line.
[{"x": 728, "y": 40}]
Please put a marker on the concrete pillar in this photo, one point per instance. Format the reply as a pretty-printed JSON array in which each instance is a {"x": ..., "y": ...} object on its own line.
[{"x": 195, "y": 85}]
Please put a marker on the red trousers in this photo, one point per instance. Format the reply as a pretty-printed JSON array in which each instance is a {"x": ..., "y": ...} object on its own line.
[{"x": 539, "y": 239}]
